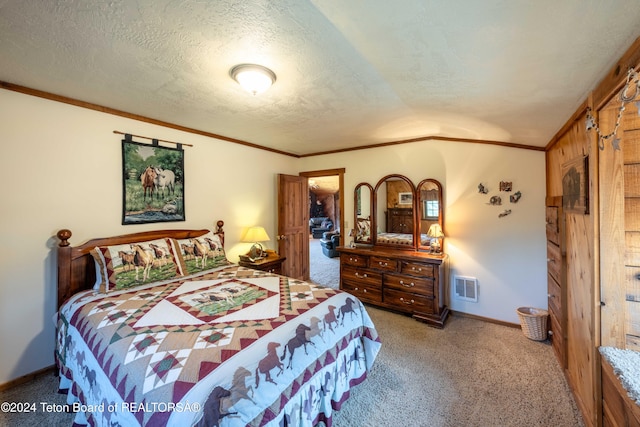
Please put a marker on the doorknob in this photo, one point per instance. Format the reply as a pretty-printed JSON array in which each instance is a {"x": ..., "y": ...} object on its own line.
[{"x": 281, "y": 237}]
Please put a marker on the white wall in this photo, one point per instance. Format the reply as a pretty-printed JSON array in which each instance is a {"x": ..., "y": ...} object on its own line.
[
  {"x": 61, "y": 168},
  {"x": 507, "y": 255}
]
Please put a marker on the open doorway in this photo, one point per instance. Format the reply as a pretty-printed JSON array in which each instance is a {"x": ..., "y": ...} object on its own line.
[{"x": 326, "y": 207}]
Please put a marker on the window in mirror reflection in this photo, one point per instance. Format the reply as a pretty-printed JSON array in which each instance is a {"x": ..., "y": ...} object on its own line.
[
  {"x": 430, "y": 209},
  {"x": 430, "y": 205}
]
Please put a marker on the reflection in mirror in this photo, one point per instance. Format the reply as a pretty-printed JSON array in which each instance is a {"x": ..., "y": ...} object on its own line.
[
  {"x": 363, "y": 207},
  {"x": 394, "y": 204},
  {"x": 429, "y": 210}
]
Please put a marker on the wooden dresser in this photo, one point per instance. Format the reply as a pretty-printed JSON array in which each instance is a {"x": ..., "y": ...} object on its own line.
[
  {"x": 405, "y": 281},
  {"x": 556, "y": 282},
  {"x": 400, "y": 220}
]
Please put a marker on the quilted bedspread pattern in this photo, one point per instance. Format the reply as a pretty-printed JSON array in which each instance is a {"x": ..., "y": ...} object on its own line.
[{"x": 233, "y": 346}]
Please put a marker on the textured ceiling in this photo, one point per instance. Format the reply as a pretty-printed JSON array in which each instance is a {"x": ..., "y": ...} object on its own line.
[{"x": 349, "y": 73}]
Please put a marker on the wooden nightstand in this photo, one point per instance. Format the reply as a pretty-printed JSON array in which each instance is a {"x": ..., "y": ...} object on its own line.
[{"x": 270, "y": 264}]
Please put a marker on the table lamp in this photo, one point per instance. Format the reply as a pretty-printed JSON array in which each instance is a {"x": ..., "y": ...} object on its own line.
[
  {"x": 435, "y": 232},
  {"x": 256, "y": 235}
]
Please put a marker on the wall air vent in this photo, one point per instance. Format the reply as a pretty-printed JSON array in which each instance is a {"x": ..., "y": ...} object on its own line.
[{"x": 466, "y": 288}]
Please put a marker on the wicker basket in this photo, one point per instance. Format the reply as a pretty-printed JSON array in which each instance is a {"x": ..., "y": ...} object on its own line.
[{"x": 534, "y": 322}]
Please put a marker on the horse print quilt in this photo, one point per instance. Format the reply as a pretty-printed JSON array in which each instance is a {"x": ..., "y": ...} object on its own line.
[{"x": 231, "y": 347}]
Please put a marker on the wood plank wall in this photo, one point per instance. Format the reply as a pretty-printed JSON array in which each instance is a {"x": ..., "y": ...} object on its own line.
[
  {"x": 620, "y": 214},
  {"x": 630, "y": 143},
  {"x": 602, "y": 248},
  {"x": 612, "y": 234},
  {"x": 581, "y": 316}
]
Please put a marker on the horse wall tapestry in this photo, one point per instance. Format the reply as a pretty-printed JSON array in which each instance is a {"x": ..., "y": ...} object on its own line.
[{"x": 152, "y": 183}]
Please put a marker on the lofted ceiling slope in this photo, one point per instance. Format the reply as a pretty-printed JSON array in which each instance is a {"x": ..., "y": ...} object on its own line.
[{"x": 348, "y": 73}]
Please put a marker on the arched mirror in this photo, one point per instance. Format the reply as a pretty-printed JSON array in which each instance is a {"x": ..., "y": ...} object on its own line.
[
  {"x": 394, "y": 212},
  {"x": 430, "y": 217},
  {"x": 363, "y": 204}
]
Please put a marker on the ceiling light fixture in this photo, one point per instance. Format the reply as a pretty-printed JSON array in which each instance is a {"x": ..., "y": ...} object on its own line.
[{"x": 253, "y": 78}]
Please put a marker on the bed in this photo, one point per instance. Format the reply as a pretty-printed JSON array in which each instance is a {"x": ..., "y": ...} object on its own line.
[
  {"x": 190, "y": 339},
  {"x": 401, "y": 239}
]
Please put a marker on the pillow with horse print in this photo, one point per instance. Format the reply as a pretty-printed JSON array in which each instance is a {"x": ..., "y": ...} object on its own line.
[
  {"x": 133, "y": 264},
  {"x": 201, "y": 253}
]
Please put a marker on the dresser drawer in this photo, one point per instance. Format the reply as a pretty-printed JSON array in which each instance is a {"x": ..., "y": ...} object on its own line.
[
  {"x": 351, "y": 259},
  {"x": 555, "y": 296},
  {"x": 557, "y": 340},
  {"x": 553, "y": 230},
  {"x": 409, "y": 284},
  {"x": 362, "y": 291},
  {"x": 380, "y": 263},
  {"x": 417, "y": 269},
  {"x": 407, "y": 301},
  {"x": 554, "y": 260},
  {"x": 362, "y": 275}
]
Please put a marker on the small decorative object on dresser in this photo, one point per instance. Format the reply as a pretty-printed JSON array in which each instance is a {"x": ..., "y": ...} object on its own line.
[
  {"x": 435, "y": 232},
  {"x": 256, "y": 235},
  {"x": 271, "y": 263}
]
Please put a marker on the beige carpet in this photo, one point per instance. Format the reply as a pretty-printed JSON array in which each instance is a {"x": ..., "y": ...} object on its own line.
[
  {"x": 322, "y": 269},
  {"x": 471, "y": 373}
]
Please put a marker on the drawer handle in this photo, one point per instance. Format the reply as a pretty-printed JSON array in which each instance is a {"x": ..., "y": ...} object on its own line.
[
  {"x": 409, "y": 285},
  {"x": 416, "y": 269},
  {"x": 383, "y": 264},
  {"x": 353, "y": 259},
  {"x": 358, "y": 275},
  {"x": 407, "y": 302},
  {"x": 551, "y": 260}
]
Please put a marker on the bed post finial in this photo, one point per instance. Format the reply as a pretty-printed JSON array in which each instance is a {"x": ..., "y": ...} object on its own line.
[
  {"x": 219, "y": 226},
  {"x": 64, "y": 235}
]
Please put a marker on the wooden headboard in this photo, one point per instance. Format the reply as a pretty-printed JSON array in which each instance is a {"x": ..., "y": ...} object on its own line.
[{"x": 76, "y": 267}]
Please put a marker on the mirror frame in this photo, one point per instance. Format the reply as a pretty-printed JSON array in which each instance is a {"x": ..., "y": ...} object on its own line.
[
  {"x": 419, "y": 231},
  {"x": 374, "y": 224},
  {"x": 416, "y": 214},
  {"x": 355, "y": 214}
]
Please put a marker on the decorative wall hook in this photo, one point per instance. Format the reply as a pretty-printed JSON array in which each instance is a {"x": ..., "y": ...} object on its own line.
[
  {"x": 626, "y": 96},
  {"x": 482, "y": 189},
  {"x": 495, "y": 201},
  {"x": 515, "y": 197},
  {"x": 504, "y": 213}
]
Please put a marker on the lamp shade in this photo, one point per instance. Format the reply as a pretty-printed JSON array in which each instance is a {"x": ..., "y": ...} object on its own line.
[
  {"x": 253, "y": 78},
  {"x": 435, "y": 231},
  {"x": 256, "y": 234}
]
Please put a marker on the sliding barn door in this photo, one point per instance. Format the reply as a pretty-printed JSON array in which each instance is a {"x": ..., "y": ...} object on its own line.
[{"x": 293, "y": 225}]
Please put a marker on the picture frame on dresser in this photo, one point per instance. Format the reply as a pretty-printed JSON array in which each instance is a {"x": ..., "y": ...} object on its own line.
[{"x": 405, "y": 198}]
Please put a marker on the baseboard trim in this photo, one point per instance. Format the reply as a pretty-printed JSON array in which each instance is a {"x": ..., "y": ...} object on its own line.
[
  {"x": 486, "y": 319},
  {"x": 28, "y": 377}
]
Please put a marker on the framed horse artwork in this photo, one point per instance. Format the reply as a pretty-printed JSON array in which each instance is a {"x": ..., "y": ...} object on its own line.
[{"x": 152, "y": 183}]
